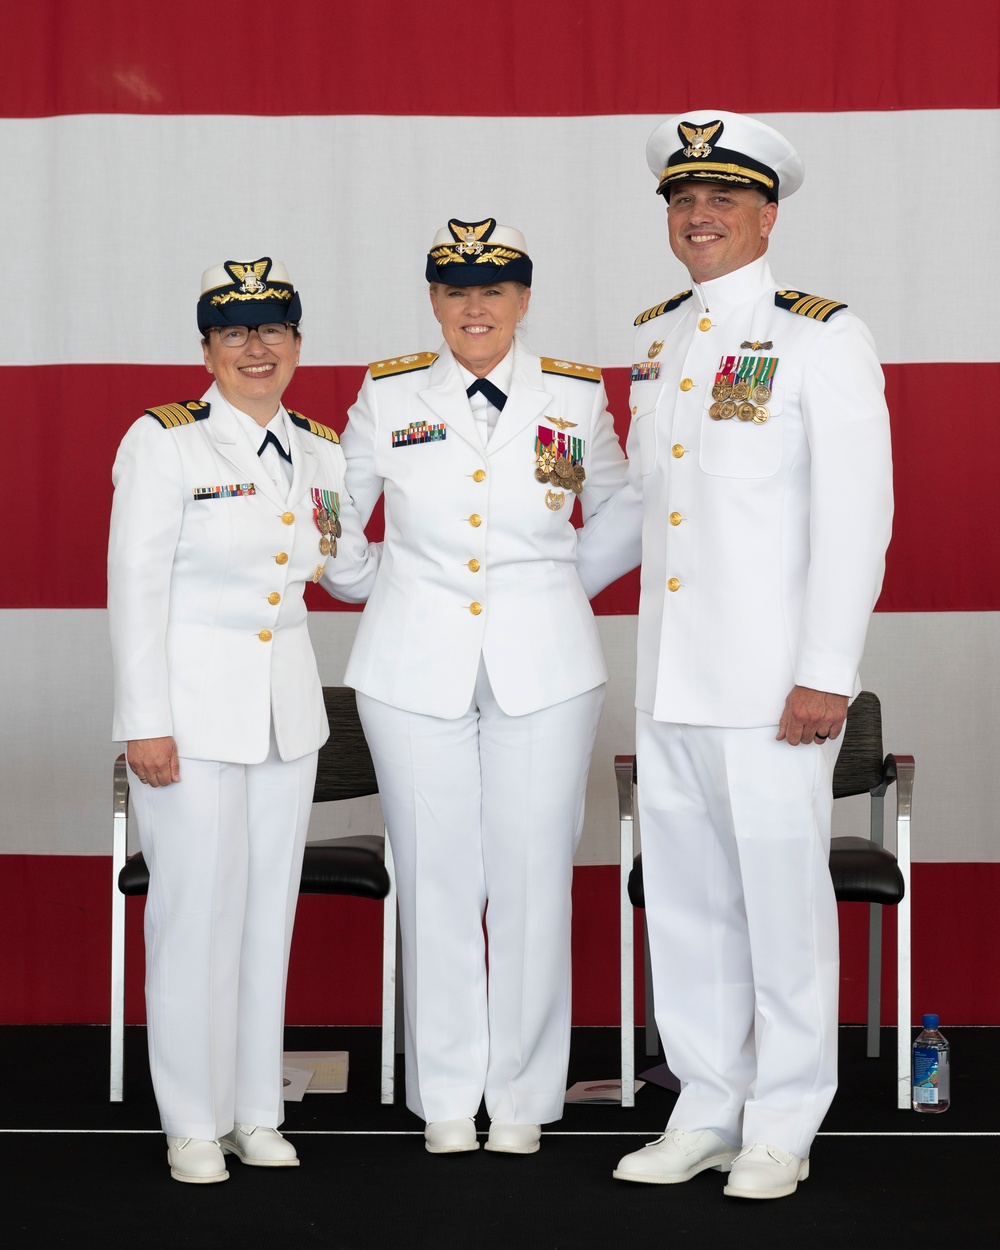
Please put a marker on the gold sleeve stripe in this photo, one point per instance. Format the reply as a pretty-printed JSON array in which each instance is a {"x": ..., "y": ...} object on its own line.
[
  {"x": 658, "y": 310},
  {"x": 567, "y": 369},
  {"x": 314, "y": 427},
  {"x": 816, "y": 307},
  {"x": 402, "y": 364},
  {"x": 170, "y": 416}
]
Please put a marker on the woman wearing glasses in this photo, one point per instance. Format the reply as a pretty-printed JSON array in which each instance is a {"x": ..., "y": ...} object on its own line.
[{"x": 224, "y": 508}]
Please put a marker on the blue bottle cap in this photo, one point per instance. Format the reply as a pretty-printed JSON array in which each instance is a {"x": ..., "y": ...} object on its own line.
[{"x": 931, "y": 1021}]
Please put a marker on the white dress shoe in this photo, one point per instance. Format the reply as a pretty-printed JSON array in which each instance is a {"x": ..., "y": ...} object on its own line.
[
  {"x": 676, "y": 1156},
  {"x": 195, "y": 1161},
  {"x": 514, "y": 1139},
  {"x": 259, "y": 1147},
  {"x": 761, "y": 1171},
  {"x": 449, "y": 1137}
]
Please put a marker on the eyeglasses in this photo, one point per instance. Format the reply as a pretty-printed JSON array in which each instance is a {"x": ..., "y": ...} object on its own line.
[{"x": 269, "y": 335}]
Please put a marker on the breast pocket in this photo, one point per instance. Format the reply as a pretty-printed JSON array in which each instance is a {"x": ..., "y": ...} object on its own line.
[{"x": 743, "y": 448}]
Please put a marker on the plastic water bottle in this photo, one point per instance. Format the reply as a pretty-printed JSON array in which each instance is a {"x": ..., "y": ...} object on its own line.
[{"x": 931, "y": 1068}]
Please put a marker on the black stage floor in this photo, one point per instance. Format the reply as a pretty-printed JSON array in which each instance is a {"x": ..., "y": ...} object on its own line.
[{"x": 76, "y": 1167}]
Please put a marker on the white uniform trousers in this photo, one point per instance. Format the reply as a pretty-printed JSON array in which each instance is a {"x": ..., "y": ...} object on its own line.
[
  {"x": 742, "y": 921},
  {"x": 224, "y": 848},
  {"x": 485, "y": 807}
]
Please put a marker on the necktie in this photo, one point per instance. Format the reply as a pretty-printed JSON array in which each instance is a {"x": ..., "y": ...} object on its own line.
[
  {"x": 270, "y": 438},
  {"x": 493, "y": 393}
]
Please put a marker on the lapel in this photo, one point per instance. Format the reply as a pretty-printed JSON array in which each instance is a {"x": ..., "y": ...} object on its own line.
[
  {"x": 446, "y": 398},
  {"x": 526, "y": 402},
  {"x": 304, "y": 463},
  {"x": 232, "y": 445}
]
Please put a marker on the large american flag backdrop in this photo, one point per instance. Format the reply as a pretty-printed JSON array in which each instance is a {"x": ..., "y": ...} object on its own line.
[{"x": 141, "y": 143}]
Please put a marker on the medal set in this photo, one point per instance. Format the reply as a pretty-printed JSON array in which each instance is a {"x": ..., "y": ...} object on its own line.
[
  {"x": 743, "y": 386},
  {"x": 326, "y": 514},
  {"x": 559, "y": 462}
]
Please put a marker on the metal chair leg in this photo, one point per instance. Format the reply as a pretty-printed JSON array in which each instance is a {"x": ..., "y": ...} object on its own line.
[
  {"x": 389, "y": 982},
  {"x": 118, "y": 853}
]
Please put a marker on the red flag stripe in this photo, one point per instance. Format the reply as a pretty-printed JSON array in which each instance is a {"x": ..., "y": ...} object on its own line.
[
  {"x": 554, "y": 58},
  {"x": 945, "y": 555}
]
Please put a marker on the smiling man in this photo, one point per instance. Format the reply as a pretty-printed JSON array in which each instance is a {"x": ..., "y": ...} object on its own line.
[{"x": 760, "y": 479}]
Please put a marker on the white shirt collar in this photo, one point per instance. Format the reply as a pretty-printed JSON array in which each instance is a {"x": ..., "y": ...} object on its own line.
[
  {"x": 501, "y": 375},
  {"x": 721, "y": 295}
]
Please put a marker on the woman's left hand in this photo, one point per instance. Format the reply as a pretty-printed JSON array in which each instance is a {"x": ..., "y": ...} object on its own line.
[{"x": 154, "y": 760}]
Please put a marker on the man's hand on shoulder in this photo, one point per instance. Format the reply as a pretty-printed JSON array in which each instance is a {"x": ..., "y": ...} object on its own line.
[{"x": 811, "y": 716}]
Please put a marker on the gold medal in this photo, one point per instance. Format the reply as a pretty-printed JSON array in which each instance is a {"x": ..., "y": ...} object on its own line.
[
  {"x": 760, "y": 415},
  {"x": 333, "y": 548},
  {"x": 541, "y": 475},
  {"x": 746, "y": 411},
  {"x": 741, "y": 391},
  {"x": 715, "y": 412},
  {"x": 722, "y": 390},
  {"x": 563, "y": 468},
  {"x": 760, "y": 393},
  {"x": 338, "y": 529},
  {"x": 324, "y": 546},
  {"x": 727, "y": 411}
]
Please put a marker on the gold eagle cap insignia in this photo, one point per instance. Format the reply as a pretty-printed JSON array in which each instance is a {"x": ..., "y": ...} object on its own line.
[
  {"x": 470, "y": 236},
  {"x": 699, "y": 138},
  {"x": 250, "y": 277},
  {"x": 561, "y": 423},
  {"x": 466, "y": 233}
]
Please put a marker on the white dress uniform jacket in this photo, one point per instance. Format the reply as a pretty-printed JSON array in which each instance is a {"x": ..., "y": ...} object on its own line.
[
  {"x": 207, "y": 567},
  {"x": 763, "y": 544},
  {"x": 475, "y": 561}
]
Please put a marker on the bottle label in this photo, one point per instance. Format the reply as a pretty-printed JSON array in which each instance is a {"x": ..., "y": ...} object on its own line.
[{"x": 930, "y": 1075}]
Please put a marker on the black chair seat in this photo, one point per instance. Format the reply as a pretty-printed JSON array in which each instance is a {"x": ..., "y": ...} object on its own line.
[
  {"x": 636, "y": 894},
  {"x": 862, "y": 871},
  {"x": 347, "y": 868}
]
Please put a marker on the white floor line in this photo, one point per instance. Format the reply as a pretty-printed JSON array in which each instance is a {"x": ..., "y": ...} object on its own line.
[{"x": 313, "y": 1132}]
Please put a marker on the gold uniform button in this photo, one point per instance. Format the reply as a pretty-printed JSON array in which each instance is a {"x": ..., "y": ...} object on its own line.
[
  {"x": 686, "y": 384},
  {"x": 288, "y": 518},
  {"x": 479, "y": 475},
  {"x": 281, "y": 557},
  {"x": 475, "y": 608},
  {"x": 673, "y": 584},
  {"x": 475, "y": 520},
  {"x": 677, "y": 451},
  {"x": 273, "y": 598},
  {"x": 265, "y": 635},
  {"x": 675, "y": 518},
  {"x": 705, "y": 323},
  {"x": 474, "y": 566},
  {"x": 634, "y": 410}
]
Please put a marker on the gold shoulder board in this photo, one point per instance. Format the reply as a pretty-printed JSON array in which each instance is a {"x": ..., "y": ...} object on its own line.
[
  {"x": 402, "y": 364},
  {"x": 314, "y": 427},
  {"x": 815, "y": 306},
  {"x": 658, "y": 310},
  {"x": 185, "y": 413},
  {"x": 587, "y": 373}
]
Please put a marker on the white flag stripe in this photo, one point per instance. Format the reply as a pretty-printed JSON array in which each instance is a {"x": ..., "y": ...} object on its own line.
[
  {"x": 67, "y": 811},
  {"x": 351, "y": 203}
]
